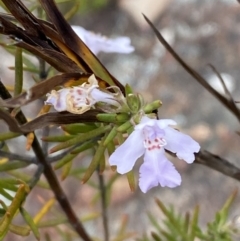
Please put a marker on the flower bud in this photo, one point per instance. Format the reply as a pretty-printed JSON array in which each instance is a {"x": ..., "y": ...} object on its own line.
[{"x": 134, "y": 102}]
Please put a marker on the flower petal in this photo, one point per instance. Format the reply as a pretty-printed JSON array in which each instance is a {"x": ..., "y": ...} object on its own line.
[
  {"x": 125, "y": 156},
  {"x": 58, "y": 99},
  {"x": 163, "y": 123},
  {"x": 183, "y": 145},
  {"x": 100, "y": 96},
  {"x": 97, "y": 42},
  {"x": 157, "y": 169}
]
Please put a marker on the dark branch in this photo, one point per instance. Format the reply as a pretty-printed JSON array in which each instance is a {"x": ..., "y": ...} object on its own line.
[
  {"x": 16, "y": 157},
  {"x": 217, "y": 163}
]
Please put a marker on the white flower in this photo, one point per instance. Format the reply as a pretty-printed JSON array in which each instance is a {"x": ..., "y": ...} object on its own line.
[
  {"x": 79, "y": 99},
  {"x": 97, "y": 42},
  {"x": 150, "y": 138}
]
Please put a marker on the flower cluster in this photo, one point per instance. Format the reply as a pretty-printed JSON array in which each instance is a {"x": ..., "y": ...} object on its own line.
[
  {"x": 97, "y": 42},
  {"x": 149, "y": 138},
  {"x": 79, "y": 99}
]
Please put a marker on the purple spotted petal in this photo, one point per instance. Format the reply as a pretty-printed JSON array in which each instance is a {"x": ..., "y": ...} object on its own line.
[
  {"x": 125, "y": 156},
  {"x": 183, "y": 145},
  {"x": 97, "y": 43},
  {"x": 150, "y": 138},
  {"x": 157, "y": 169}
]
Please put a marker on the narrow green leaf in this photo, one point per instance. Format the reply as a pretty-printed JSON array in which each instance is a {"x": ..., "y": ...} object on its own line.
[
  {"x": 154, "y": 222},
  {"x": 12, "y": 181},
  {"x": 72, "y": 11},
  {"x": 95, "y": 161},
  {"x": 9, "y": 186},
  {"x": 28, "y": 219},
  {"x": 85, "y": 146},
  {"x": 107, "y": 117},
  {"x": 63, "y": 220},
  {"x": 27, "y": 69},
  {"x": 12, "y": 209},
  {"x": 44, "y": 210},
  {"x": 113, "y": 118},
  {"x": 78, "y": 171},
  {"x": 162, "y": 207},
  {"x": 12, "y": 165},
  {"x": 26, "y": 178},
  {"x": 124, "y": 127},
  {"x": 152, "y": 106},
  {"x": 66, "y": 159},
  {"x": 5, "y": 194},
  {"x": 102, "y": 165},
  {"x": 57, "y": 138},
  {"x": 131, "y": 181},
  {"x": 194, "y": 224},
  {"x": 110, "y": 148},
  {"x": 172, "y": 223},
  {"x": 19, "y": 230},
  {"x": 155, "y": 236},
  {"x": 223, "y": 213},
  {"x": 66, "y": 170},
  {"x": 26, "y": 60},
  {"x": 4, "y": 206},
  {"x": 8, "y": 135},
  {"x": 112, "y": 134},
  {"x": 76, "y": 128},
  {"x": 81, "y": 138},
  {"x": 167, "y": 236},
  {"x": 186, "y": 222},
  {"x": 2, "y": 212},
  {"x": 18, "y": 72}
]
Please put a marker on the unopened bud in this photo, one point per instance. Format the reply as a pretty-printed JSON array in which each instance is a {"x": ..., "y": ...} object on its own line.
[
  {"x": 149, "y": 108},
  {"x": 134, "y": 102}
]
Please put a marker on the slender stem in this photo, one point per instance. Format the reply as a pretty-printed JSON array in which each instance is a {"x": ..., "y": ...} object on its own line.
[
  {"x": 104, "y": 205},
  {"x": 36, "y": 177},
  {"x": 60, "y": 156},
  {"x": 217, "y": 163},
  {"x": 45, "y": 132},
  {"x": 16, "y": 157},
  {"x": 42, "y": 68}
]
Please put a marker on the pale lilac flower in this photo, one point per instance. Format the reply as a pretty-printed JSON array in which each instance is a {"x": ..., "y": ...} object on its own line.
[
  {"x": 79, "y": 99},
  {"x": 150, "y": 138},
  {"x": 97, "y": 42}
]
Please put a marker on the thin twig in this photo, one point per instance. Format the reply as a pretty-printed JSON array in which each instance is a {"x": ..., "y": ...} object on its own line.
[
  {"x": 16, "y": 157},
  {"x": 59, "y": 156},
  {"x": 45, "y": 132},
  {"x": 227, "y": 103},
  {"x": 34, "y": 180},
  {"x": 102, "y": 188},
  {"x": 42, "y": 69},
  {"x": 217, "y": 163}
]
